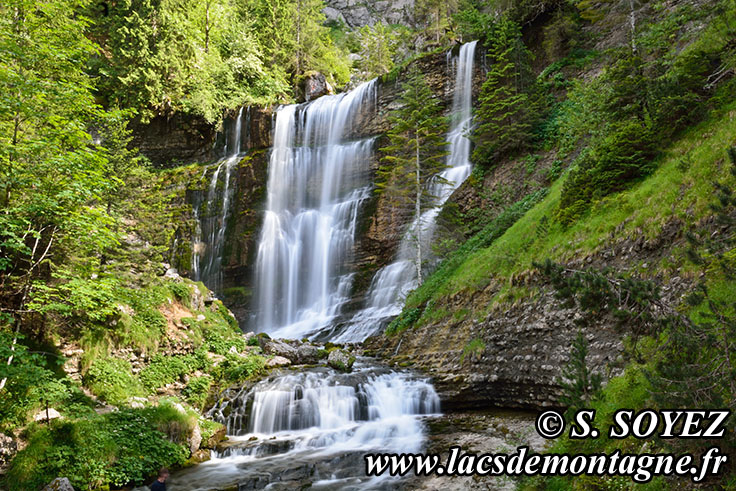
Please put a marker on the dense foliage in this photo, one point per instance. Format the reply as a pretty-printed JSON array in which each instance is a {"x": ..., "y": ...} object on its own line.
[
  {"x": 503, "y": 111},
  {"x": 127, "y": 446},
  {"x": 159, "y": 56}
]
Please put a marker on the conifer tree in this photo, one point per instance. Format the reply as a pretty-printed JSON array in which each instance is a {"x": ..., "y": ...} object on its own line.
[
  {"x": 416, "y": 153},
  {"x": 378, "y": 48},
  {"x": 502, "y": 113},
  {"x": 579, "y": 384}
]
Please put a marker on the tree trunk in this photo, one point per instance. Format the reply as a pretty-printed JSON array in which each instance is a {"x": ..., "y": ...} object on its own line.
[
  {"x": 418, "y": 213},
  {"x": 298, "y": 38},
  {"x": 632, "y": 25},
  {"x": 12, "y": 350},
  {"x": 207, "y": 27}
]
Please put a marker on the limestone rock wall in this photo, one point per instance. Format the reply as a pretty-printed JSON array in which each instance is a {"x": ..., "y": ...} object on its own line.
[{"x": 358, "y": 13}]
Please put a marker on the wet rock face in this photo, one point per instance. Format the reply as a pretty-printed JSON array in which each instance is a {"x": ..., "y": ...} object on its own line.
[
  {"x": 173, "y": 140},
  {"x": 259, "y": 128},
  {"x": 179, "y": 139}
]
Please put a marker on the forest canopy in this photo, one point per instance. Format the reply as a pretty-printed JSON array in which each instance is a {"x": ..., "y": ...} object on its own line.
[{"x": 159, "y": 56}]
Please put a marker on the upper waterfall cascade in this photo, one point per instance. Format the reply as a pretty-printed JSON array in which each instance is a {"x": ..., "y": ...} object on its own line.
[
  {"x": 317, "y": 182},
  {"x": 318, "y": 179}
]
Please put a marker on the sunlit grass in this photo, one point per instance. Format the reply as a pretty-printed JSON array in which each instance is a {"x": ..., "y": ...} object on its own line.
[{"x": 681, "y": 188}]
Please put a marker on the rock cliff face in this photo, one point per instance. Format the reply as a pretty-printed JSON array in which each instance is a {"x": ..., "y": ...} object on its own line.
[
  {"x": 358, "y": 13},
  {"x": 173, "y": 140},
  {"x": 241, "y": 238},
  {"x": 382, "y": 225},
  {"x": 507, "y": 358},
  {"x": 170, "y": 141}
]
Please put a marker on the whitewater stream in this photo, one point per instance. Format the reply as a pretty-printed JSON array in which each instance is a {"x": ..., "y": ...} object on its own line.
[{"x": 314, "y": 426}]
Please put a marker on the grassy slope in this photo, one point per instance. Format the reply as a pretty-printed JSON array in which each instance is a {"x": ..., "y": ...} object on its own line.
[{"x": 681, "y": 187}]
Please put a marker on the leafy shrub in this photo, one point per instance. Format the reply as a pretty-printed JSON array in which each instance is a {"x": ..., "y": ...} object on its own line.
[
  {"x": 112, "y": 380},
  {"x": 219, "y": 338},
  {"x": 237, "y": 368},
  {"x": 197, "y": 390},
  {"x": 181, "y": 291},
  {"x": 119, "y": 448},
  {"x": 225, "y": 314},
  {"x": 163, "y": 370},
  {"x": 554, "y": 171},
  {"x": 406, "y": 319},
  {"x": 170, "y": 418},
  {"x": 29, "y": 383}
]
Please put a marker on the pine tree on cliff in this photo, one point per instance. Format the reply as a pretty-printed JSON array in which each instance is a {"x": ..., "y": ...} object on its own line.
[
  {"x": 503, "y": 113},
  {"x": 415, "y": 154}
]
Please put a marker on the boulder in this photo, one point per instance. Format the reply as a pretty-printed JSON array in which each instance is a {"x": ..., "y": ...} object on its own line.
[
  {"x": 278, "y": 361},
  {"x": 8, "y": 449},
  {"x": 307, "y": 354},
  {"x": 218, "y": 436},
  {"x": 137, "y": 402},
  {"x": 195, "y": 439},
  {"x": 341, "y": 360},
  {"x": 198, "y": 457},
  {"x": 42, "y": 415},
  {"x": 59, "y": 484},
  {"x": 315, "y": 85},
  {"x": 280, "y": 348}
]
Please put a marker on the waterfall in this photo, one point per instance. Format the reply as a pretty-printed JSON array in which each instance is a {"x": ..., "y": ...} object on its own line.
[
  {"x": 317, "y": 422},
  {"x": 392, "y": 282},
  {"x": 318, "y": 179},
  {"x": 209, "y": 236},
  {"x": 315, "y": 425},
  {"x": 325, "y": 400}
]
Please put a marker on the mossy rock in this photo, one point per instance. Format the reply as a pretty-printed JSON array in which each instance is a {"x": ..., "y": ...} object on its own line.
[{"x": 341, "y": 360}]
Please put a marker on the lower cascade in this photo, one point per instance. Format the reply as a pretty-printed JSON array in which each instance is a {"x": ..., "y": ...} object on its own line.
[{"x": 315, "y": 426}]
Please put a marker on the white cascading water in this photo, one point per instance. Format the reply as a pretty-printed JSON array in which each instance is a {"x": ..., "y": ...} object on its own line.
[
  {"x": 315, "y": 425},
  {"x": 317, "y": 182},
  {"x": 209, "y": 236},
  {"x": 392, "y": 282}
]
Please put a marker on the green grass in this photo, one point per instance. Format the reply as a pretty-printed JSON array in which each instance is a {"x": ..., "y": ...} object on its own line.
[
  {"x": 681, "y": 188},
  {"x": 474, "y": 348}
]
